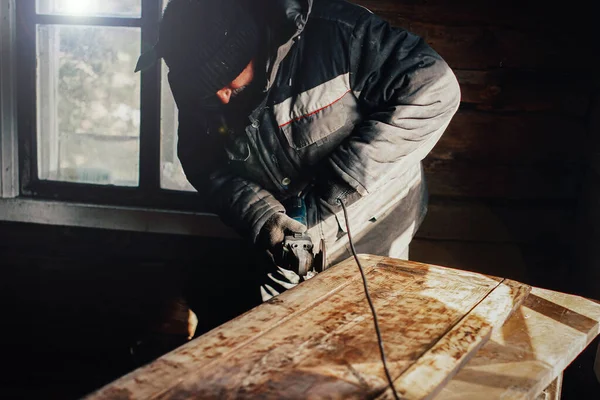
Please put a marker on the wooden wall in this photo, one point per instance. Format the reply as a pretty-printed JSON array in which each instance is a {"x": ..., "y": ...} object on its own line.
[
  {"x": 588, "y": 210},
  {"x": 505, "y": 177}
]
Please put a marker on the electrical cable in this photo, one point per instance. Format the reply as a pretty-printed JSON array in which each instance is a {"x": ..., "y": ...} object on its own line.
[{"x": 375, "y": 321}]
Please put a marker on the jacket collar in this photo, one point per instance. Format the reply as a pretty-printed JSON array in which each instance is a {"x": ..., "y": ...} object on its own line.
[
  {"x": 286, "y": 20},
  {"x": 289, "y": 17}
]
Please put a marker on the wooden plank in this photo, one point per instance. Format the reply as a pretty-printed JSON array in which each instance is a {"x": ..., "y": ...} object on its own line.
[
  {"x": 530, "y": 351},
  {"x": 553, "y": 391},
  {"x": 447, "y": 356},
  {"x": 472, "y": 12},
  {"x": 541, "y": 181},
  {"x": 318, "y": 340},
  {"x": 516, "y": 139},
  {"x": 482, "y": 47},
  {"x": 476, "y": 221},
  {"x": 172, "y": 367},
  {"x": 522, "y": 90},
  {"x": 458, "y": 13},
  {"x": 482, "y": 35}
]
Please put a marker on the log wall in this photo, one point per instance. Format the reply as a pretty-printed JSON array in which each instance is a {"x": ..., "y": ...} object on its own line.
[{"x": 506, "y": 176}]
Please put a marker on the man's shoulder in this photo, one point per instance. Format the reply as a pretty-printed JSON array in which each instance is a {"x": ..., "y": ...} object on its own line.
[{"x": 341, "y": 11}]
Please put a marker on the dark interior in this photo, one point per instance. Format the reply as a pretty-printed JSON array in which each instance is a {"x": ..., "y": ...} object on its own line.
[{"x": 514, "y": 186}]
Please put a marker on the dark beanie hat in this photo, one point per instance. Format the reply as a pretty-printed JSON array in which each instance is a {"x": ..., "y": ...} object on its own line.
[{"x": 206, "y": 44}]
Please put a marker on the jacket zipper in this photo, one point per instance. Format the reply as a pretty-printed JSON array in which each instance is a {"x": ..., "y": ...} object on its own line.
[{"x": 293, "y": 68}]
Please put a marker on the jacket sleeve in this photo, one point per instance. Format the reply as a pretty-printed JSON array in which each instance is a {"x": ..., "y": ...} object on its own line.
[
  {"x": 407, "y": 93},
  {"x": 241, "y": 204}
]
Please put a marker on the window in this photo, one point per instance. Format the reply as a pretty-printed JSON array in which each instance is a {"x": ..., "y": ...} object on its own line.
[{"x": 90, "y": 129}]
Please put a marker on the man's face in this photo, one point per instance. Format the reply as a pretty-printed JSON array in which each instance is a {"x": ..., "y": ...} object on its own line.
[{"x": 237, "y": 86}]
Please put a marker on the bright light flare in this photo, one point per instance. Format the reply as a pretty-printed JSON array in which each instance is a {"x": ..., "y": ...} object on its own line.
[{"x": 79, "y": 7}]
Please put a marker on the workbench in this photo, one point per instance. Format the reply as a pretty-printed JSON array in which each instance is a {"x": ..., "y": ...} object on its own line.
[{"x": 448, "y": 334}]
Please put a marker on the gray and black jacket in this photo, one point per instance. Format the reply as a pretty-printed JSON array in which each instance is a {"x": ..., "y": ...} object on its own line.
[{"x": 350, "y": 101}]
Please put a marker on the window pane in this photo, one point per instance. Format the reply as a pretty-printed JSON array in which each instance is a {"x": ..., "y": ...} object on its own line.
[
  {"x": 88, "y": 104},
  {"x": 172, "y": 176},
  {"x": 91, "y": 8}
]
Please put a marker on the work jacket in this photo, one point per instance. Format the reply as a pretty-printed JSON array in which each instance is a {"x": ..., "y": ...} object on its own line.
[{"x": 349, "y": 99}]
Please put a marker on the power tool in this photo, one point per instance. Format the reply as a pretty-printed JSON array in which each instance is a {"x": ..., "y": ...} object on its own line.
[{"x": 298, "y": 248}]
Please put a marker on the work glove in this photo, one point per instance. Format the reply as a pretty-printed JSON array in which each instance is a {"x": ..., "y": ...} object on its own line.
[
  {"x": 271, "y": 238},
  {"x": 274, "y": 230}
]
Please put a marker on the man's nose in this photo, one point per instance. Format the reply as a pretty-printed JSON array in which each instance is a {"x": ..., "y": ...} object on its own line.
[{"x": 224, "y": 95}]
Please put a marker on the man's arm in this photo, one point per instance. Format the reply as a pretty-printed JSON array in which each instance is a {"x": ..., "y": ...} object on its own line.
[
  {"x": 408, "y": 95},
  {"x": 241, "y": 204}
]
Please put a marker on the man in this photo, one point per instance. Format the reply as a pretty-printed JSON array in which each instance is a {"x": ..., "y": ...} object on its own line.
[{"x": 319, "y": 98}]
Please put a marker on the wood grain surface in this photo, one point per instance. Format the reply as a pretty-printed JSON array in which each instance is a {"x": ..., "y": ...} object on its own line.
[
  {"x": 513, "y": 90},
  {"x": 461, "y": 179},
  {"x": 472, "y": 221},
  {"x": 491, "y": 34},
  {"x": 488, "y": 139},
  {"x": 318, "y": 341},
  {"x": 530, "y": 351}
]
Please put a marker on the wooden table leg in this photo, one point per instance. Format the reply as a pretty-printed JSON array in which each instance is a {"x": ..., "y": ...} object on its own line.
[{"x": 553, "y": 391}]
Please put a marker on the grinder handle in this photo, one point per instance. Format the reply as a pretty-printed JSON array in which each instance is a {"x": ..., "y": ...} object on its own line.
[{"x": 296, "y": 209}]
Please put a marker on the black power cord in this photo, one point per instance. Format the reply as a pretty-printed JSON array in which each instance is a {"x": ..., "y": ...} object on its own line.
[{"x": 364, "y": 279}]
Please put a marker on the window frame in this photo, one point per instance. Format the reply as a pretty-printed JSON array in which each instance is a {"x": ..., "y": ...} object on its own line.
[
  {"x": 149, "y": 192},
  {"x": 9, "y": 157},
  {"x": 147, "y": 208}
]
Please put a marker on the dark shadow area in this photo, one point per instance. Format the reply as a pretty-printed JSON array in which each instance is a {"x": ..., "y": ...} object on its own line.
[{"x": 76, "y": 303}]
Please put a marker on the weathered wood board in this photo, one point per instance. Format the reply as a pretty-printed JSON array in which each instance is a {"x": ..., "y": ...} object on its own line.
[
  {"x": 531, "y": 350},
  {"x": 468, "y": 220},
  {"x": 318, "y": 341},
  {"x": 462, "y": 179},
  {"x": 481, "y": 46},
  {"x": 513, "y": 90},
  {"x": 488, "y": 13},
  {"x": 493, "y": 138}
]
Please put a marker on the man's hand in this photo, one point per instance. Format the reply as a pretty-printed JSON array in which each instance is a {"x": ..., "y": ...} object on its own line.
[{"x": 273, "y": 231}]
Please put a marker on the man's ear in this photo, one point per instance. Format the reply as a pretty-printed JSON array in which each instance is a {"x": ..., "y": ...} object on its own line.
[{"x": 146, "y": 60}]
